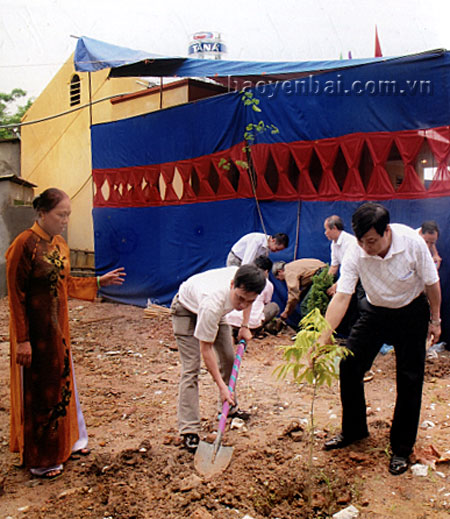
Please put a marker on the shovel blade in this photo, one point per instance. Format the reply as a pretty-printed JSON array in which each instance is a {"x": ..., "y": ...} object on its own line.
[{"x": 206, "y": 463}]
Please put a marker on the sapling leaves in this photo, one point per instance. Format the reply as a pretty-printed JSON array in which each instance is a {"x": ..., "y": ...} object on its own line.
[
  {"x": 251, "y": 131},
  {"x": 307, "y": 358},
  {"x": 312, "y": 362}
]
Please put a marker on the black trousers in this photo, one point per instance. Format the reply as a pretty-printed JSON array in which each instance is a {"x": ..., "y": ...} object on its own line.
[
  {"x": 406, "y": 329},
  {"x": 351, "y": 315}
]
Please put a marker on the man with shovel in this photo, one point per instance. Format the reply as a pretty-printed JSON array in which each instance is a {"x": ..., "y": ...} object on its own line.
[{"x": 200, "y": 331}]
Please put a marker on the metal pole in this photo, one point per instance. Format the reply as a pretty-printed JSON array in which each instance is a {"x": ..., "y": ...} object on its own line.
[
  {"x": 90, "y": 99},
  {"x": 90, "y": 126}
]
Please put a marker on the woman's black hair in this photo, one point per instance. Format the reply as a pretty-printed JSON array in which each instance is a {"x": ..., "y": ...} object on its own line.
[
  {"x": 370, "y": 215},
  {"x": 48, "y": 199}
]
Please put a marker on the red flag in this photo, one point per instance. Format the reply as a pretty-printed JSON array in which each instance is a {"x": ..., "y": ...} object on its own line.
[{"x": 378, "y": 53}]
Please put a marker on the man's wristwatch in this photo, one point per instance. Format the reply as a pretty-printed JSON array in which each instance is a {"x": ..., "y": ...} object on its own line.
[{"x": 435, "y": 322}]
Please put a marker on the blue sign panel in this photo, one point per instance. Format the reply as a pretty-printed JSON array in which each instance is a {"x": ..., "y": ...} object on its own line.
[{"x": 199, "y": 47}]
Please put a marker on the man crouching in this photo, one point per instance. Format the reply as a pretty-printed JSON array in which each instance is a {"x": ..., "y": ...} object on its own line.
[{"x": 200, "y": 331}]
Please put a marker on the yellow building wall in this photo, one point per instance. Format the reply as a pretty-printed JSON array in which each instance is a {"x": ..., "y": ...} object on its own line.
[
  {"x": 57, "y": 152},
  {"x": 150, "y": 103}
]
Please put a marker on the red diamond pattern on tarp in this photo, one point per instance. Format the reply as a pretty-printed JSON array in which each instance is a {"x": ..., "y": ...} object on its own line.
[{"x": 303, "y": 170}]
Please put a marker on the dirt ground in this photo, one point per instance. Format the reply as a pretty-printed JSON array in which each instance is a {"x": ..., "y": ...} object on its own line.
[{"x": 127, "y": 371}]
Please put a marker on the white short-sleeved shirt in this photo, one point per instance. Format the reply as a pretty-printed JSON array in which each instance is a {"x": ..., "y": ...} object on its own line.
[
  {"x": 208, "y": 295},
  {"x": 339, "y": 247},
  {"x": 250, "y": 246},
  {"x": 257, "y": 312},
  {"x": 395, "y": 280}
]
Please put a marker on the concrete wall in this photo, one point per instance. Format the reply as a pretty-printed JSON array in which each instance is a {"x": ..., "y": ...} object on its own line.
[
  {"x": 9, "y": 157},
  {"x": 16, "y": 215}
]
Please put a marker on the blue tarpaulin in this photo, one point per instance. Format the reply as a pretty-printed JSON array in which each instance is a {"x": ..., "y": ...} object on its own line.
[
  {"x": 163, "y": 239},
  {"x": 92, "y": 55},
  {"x": 160, "y": 247},
  {"x": 421, "y": 100}
]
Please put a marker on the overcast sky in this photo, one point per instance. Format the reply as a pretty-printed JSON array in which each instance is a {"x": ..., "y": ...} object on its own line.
[{"x": 35, "y": 34}]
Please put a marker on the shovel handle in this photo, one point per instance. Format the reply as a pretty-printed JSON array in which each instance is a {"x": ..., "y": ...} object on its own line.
[{"x": 232, "y": 384}]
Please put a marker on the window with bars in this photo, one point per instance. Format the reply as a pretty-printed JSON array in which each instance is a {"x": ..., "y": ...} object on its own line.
[{"x": 75, "y": 90}]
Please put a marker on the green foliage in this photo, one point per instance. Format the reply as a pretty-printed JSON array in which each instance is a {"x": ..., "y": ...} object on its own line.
[
  {"x": 254, "y": 129},
  {"x": 251, "y": 131},
  {"x": 307, "y": 359},
  {"x": 224, "y": 164},
  {"x": 317, "y": 296},
  {"x": 249, "y": 100},
  {"x": 7, "y": 118}
]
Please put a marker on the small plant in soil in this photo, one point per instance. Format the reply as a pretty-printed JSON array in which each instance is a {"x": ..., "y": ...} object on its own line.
[{"x": 314, "y": 363}]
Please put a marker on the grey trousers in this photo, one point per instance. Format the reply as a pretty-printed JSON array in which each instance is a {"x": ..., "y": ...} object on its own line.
[
  {"x": 271, "y": 310},
  {"x": 183, "y": 322},
  {"x": 233, "y": 260}
]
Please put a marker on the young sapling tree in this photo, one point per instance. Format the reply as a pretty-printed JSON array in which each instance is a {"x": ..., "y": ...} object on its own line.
[{"x": 314, "y": 363}]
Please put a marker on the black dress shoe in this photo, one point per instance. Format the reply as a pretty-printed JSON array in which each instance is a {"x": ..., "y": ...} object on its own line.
[
  {"x": 191, "y": 441},
  {"x": 398, "y": 465},
  {"x": 240, "y": 413},
  {"x": 340, "y": 441}
]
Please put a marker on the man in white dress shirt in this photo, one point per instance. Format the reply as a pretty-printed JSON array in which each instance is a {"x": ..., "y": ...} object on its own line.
[
  {"x": 255, "y": 244},
  {"x": 263, "y": 308},
  {"x": 398, "y": 275},
  {"x": 429, "y": 230},
  {"x": 340, "y": 242},
  {"x": 200, "y": 331}
]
